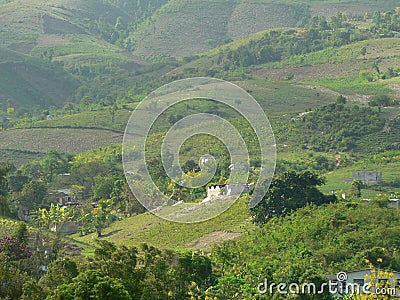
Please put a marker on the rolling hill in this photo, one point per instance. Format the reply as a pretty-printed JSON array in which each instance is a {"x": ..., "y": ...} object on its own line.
[
  {"x": 185, "y": 28},
  {"x": 67, "y": 40},
  {"x": 27, "y": 81},
  {"x": 22, "y": 145},
  {"x": 103, "y": 45}
]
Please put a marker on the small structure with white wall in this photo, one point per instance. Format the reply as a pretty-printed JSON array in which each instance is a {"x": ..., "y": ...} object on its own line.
[
  {"x": 393, "y": 203},
  {"x": 64, "y": 228},
  {"x": 215, "y": 191},
  {"x": 347, "y": 283},
  {"x": 366, "y": 177}
]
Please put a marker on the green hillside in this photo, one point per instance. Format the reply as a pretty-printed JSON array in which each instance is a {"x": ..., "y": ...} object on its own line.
[
  {"x": 72, "y": 72},
  {"x": 147, "y": 228},
  {"x": 184, "y": 28},
  {"x": 34, "y": 143},
  {"x": 77, "y": 36},
  {"x": 29, "y": 82},
  {"x": 102, "y": 46}
]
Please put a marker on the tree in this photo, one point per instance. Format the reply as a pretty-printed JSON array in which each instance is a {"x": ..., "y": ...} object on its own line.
[
  {"x": 54, "y": 163},
  {"x": 99, "y": 220},
  {"x": 289, "y": 191},
  {"x": 124, "y": 200},
  {"x": 363, "y": 51},
  {"x": 103, "y": 186},
  {"x": 91, "y": 284},
  {"x": 60, "y": 271},
  {"x": 84, "y": 173},
  {"x": 17, "y": 180},
  {"x": 55, "y": 214},
  {"x": 33, "y": 170},
  {"x": 69, "y": 106},
  {"x": 21, "y": 233},
  {"x": 33, "y": 193},
  {"x": 355, "y": 188},
  {"x": 118, "y": 262},
  {"x": 5, "y": 168},
  {"x": 380, "y": 101},
  {"x": 12, "y": 280},
  {"x": 341, "y": 100},
  {"x": 13, "y": 249}
]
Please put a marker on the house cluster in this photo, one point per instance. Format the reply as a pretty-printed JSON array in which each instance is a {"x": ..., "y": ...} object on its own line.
[
  {"x": 65, "y": 197},
  {"x": 222, "y": 190}
]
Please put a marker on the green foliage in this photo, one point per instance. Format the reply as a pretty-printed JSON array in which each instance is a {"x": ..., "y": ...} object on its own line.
[
  {"x": 277, "y": 45},
  {"x": 355, "y": 189},
  {"x": 21, "y": 233},
  {"x": 289, "y": 191},
  {"x": 91, "y": 284},
  {"x": 127, "y": 273},
  {"x": 341, "y": 100},
  {"x": 60, "y": 271},
  {"x": 381, "y": 100},
  {"x": 309, "y": 244},
  {"x": 29, "y": 82},
  {"x": 32, "y": 194},
  {"x": 337, "y": 127},
  {"x": 54, "y": 163},
  {"x": 5, "y": 168}
]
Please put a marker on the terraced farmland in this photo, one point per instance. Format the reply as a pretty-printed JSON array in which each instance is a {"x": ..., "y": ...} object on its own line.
[{"x": 37, "y": 141}]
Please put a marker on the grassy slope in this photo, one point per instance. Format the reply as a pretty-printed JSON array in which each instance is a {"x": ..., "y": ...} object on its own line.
[
  {"x": 57, "y": 31},
  {"x": 147, "y": 228},
  {"x": 67, "y": 140},
  {"x": 96, "y": 119},
  {"x": 37, "y": 22},
  {"x": 27, "y": 81},
  {"x": 183, "y": 28},
  {"x": 276, "y": 98}
]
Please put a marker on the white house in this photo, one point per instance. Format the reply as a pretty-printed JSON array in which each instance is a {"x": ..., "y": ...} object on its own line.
[
  {"x": 221, "y": 190},
  {"x": 393, "y": 203},
  {"x": 240, "y": 167},
  {"x": 357, "y": 281},
  {"x": 64, "y": 228},
  {"x": 215, "y": 191}
]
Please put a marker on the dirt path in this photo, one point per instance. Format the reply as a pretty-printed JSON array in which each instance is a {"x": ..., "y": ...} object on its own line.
[
  {"x": 215, "y": 237},
  {"x": 362, "y": 99}
]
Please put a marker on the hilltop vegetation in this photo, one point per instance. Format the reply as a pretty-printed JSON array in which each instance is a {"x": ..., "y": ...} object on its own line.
[
  {"x": 101, "y": 45},
  {"x": 212, "y": 23},
  {"x": 32, "y": 80},
  {"x": 69, "y": 82}
]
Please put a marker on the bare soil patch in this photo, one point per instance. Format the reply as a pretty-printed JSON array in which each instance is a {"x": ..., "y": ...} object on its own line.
[{"x": 215, "y": 237}]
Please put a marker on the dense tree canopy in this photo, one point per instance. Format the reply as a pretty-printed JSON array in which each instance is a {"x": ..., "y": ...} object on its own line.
[{"x": 289, "y": 191}]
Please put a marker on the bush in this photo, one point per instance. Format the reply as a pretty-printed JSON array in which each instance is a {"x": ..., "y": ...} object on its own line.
[{"x": 366, "y": 75}]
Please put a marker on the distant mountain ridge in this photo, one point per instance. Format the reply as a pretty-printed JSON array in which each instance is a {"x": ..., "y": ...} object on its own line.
[
  {"x": 64, "y": 50},
  {"x": 185, "y": 27}
]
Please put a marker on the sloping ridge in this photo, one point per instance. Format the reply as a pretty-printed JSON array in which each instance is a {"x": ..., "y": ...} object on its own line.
[
  {"x": 182, "y": 28},
  {"x": 27, "y": 81}
]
